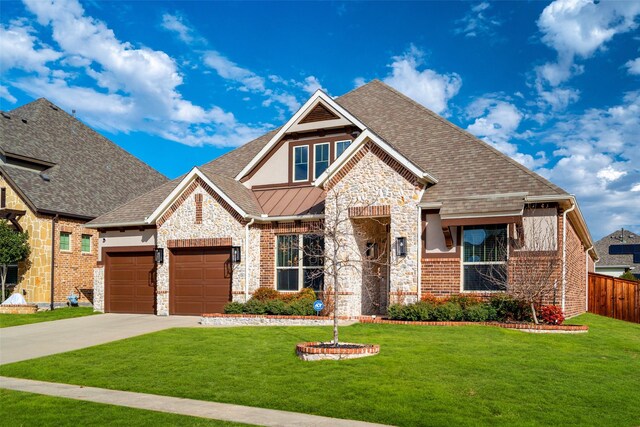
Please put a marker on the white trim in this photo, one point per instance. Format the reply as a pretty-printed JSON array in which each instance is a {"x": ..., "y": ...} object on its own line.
[
  {"x": 357, "y": 144},
  {"x": 293, "y": 164},
  {"x": 482, "y": 215},
  {"x": 318, "y": 96},
  {"x": 168, "y": 201},
  {"x": 328, "y": 144},
  {"x": 246, "y": 259}
]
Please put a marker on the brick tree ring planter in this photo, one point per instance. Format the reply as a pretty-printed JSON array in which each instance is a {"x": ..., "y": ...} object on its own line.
[{"x": 327, "y": 351}]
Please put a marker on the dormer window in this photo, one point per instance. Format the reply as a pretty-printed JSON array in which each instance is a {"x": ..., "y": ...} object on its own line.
[
  {"x": 341, "y": 147},
  {"x": 301, "y": 163},
  {"x": 320, "y": 159}
]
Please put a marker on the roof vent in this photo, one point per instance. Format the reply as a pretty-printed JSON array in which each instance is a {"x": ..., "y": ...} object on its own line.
[
  {"x": 5, "y": 115},
  {"x": 24, "y": 120},
  {"x": 45, "y": 177}
]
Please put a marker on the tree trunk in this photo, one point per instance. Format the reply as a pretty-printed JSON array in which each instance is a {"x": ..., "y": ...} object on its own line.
[
  {"x": 335, "y": 311},
  {"x": 533, "y": 312},
  {"x": 3, "y": 278}
]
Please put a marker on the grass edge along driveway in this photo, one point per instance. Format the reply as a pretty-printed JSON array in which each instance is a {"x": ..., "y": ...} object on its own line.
[
  {"x": 423, "y": 376},
  {"x": 9, "y": 320}
]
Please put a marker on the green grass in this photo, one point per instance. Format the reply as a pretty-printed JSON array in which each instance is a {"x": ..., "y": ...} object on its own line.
[
  {"x": 471, "y": 375},
  {"x": 7, "y": 320},
  {"x": 27, "y": 409}
]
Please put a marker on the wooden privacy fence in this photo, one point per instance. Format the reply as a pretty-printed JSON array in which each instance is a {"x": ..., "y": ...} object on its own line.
[{"x": 614, "y": 297}]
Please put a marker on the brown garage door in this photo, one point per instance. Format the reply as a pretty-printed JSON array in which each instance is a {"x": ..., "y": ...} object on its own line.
[
  {"x": 200, "y": 280},
  {"x": 130, "y": 282}
]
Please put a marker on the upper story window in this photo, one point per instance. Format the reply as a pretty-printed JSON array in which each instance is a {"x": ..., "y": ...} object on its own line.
[
  {"x": 301, "y": 163},
  {"x": 484, "y": 257},
  {"x": 65, "y": 241},
  {"x": 341, "y": 146},
  {"x": 321, "y": 159},
  {"x": 86, "y": 244}
]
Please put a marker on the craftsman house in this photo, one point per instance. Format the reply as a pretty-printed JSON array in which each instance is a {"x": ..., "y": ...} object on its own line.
[
  {"x": 55, "y": 175},
  {"x": 435, "y": 206}
]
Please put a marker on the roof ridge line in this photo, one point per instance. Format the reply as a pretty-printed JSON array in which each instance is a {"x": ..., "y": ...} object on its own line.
[{"x": 475, "y": 139}]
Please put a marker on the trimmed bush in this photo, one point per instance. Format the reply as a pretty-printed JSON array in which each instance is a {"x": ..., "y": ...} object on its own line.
[
  {"x": 510, "y": 309},
  {"x": 277, "y": 307},
  {"x": 477, "y": 313},
  {"x": 265, "y": 294},
  {"x": 465, "y": 301},
  {"x": 449, "y": 312},
  {"x": 551, "y": 314},
  {"x": 233, "y": 308},
  {"x": 254, "y": 306}
]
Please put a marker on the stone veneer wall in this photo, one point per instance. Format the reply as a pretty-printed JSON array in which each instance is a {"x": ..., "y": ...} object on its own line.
[
  {"x": 372, "y": 178},
  {"x": 74, "y": 269},
  {"x": 216, "y": 222},
  {"x": 36, "y": 272},
  {"x": 98, "y": 289}
]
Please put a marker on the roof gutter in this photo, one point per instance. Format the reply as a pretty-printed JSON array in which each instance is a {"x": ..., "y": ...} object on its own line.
[
  {"x": 118, "y": 225},
  {"x": 285, "y": 218}
]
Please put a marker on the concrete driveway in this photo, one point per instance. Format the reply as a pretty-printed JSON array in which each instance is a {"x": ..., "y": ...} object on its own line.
[{"x": 25, "y": 342}]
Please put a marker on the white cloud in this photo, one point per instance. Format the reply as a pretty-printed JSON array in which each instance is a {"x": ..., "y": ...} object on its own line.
[
  {"x": 5, "y": 94},
  {"x": 427, "y": 87},
  {"x": 636, "y": 188},
  {"x": 496, "y": 122},
  {"x": 578, "y": 28},
  {"x": 476, "y": 22},
  {"x": 633, "y": 66},
  {"x": 19, "y": 48},
  {"x": 283, "y": 98},
  {"x": 311, "y": 84},
  {"x": 176, "y": 24},
  {"x": 599, "y": 154},
  {"x": 557, "y": 98},
  {"x": 137, "y": 87},
  {"x": 229, "y": 70}
]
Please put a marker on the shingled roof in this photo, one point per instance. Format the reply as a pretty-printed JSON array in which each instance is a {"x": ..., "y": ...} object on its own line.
[
  {"x": 464, "y": 165},
  {"x": 618, "y": 238},
  {"x": 87, "y": 173}
]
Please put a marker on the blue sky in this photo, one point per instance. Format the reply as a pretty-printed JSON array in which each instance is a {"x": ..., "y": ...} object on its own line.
[{"x": 555, "y": 85}]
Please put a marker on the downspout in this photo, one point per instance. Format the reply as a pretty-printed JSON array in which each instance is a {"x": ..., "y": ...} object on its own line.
[
  {"x": 564, "y": 254},
  {"x": 419, "y": 248},
  {"x": 246, "y": 259},
  {"x": 586, "y": 276},
  {"x": 53, "y": 251}
]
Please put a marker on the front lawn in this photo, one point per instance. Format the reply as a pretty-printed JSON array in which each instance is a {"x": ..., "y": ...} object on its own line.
[
  {"x": 7, "y": 320},
  {"x": 26, "y": 409},
  {"x": 466, "y": 375}
]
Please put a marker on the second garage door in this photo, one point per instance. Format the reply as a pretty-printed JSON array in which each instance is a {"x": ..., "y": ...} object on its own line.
[{"x": 200, "y": 280}]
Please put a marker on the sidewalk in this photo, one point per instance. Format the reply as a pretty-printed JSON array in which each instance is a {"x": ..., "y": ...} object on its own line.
[{"x": 176, "y": 405}]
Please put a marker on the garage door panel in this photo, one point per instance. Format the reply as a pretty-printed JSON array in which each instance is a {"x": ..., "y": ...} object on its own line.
[
  {"x": 130, "y": 282},
  {"x": 200, "y": 280}
]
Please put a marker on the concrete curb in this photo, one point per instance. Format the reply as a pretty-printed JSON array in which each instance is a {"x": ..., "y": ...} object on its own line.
[{"x": 176, "y": 405}]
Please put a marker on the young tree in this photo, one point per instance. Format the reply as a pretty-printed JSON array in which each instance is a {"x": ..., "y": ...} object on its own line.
[
  {"x": 14, "y": 247},
  {"x": 345, "y": 248}
]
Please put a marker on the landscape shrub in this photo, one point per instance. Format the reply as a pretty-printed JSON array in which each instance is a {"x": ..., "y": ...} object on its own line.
[
  {"x": 477, "y": 313},
  {"x": 448, "y": 312},
  {"x": 233, "y": 308},
  {"x": 465, "y": 301},
  {"x": 395, "y": 312},
  {"x": 430, "y": 298},
  {"x": 551, "y": 314},
  {"x": 510, "y": 309},
  {"x": 270, "y": 301},
  {"x": 265, "y": 294}
]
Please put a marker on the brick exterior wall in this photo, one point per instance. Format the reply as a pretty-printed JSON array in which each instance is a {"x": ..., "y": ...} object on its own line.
[
  {"x": 73, "y": 272},
  {"x": 442, "y": 276}
]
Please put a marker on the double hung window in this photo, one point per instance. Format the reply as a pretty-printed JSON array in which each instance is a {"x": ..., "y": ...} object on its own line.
[
  {"x": 299, "y": 262},
  {"x": 484, "y": 257}
]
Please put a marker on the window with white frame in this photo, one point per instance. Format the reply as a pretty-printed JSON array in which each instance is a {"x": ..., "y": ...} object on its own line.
[
  {"x": 301, "y": 163},
  {"x": 320, "y": 159},
  {"x": 299, "y": 262},
  {"x": 484, "y": 257},
  {"x": 341, "y": 147}
]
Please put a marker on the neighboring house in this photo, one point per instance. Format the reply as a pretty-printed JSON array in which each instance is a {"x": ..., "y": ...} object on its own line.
[
  {"x": 416, "y": 183},
  {"x": 619, "y": 252},
  {"x": 55, "y": 175}
]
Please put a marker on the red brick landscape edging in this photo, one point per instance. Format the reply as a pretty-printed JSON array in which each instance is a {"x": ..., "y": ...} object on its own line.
[
  {"x": 309, "y": 348},
  {"x": 525, "y": 326}
]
